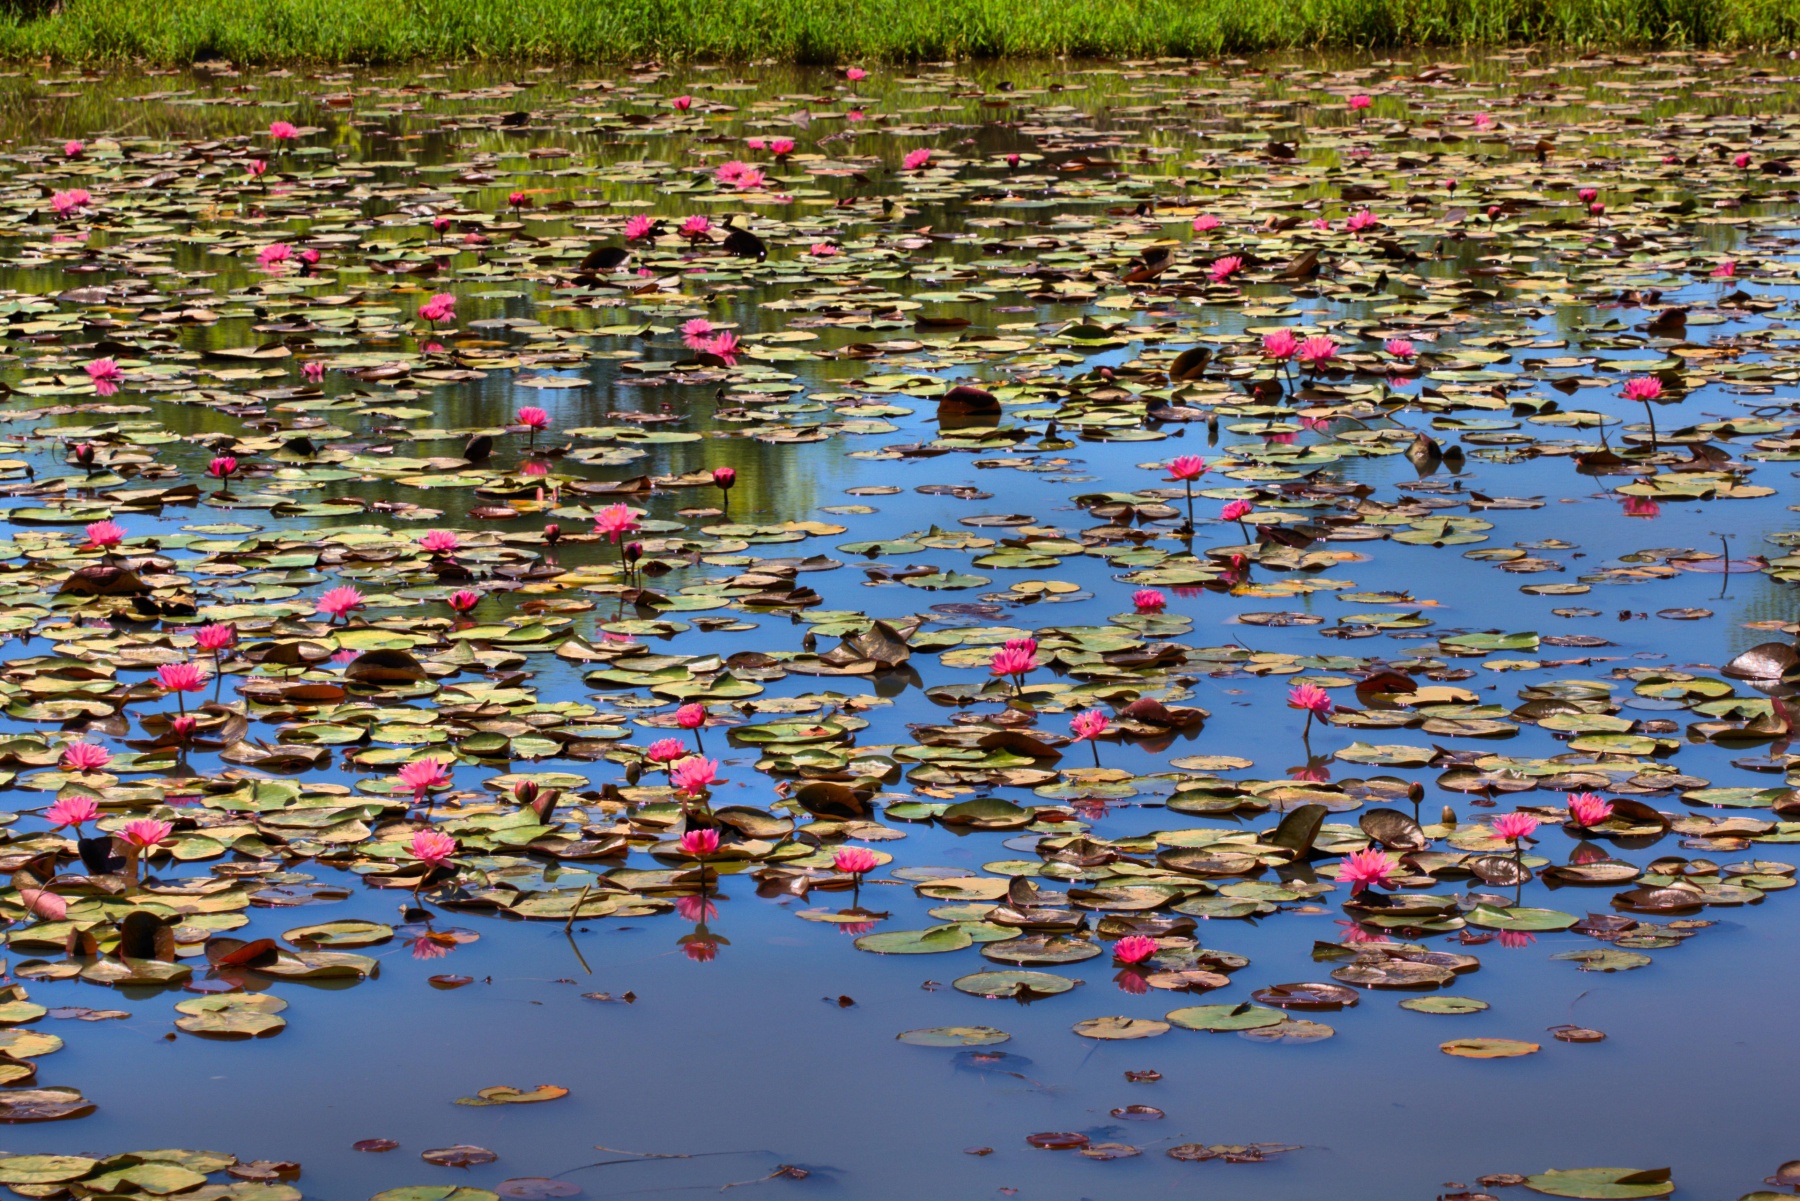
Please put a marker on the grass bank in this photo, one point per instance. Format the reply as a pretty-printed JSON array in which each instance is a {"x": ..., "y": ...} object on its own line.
[{"x": 843, "y": 31}]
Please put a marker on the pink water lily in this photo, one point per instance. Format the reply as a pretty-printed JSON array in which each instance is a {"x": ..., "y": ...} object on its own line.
[
  {"x": 1280, "y": 345},
  {"x": 104, "y": 535},
  {"x": 70, "y": 202},
  {"x": 105, "y": 375},
  {"x": 855, "y": 861},
  {"x": 216, "y": 637},
  {"x": 694, "y": 775},
  {"x": 1134, "y": 948},
  {"x": 1014, "y": 665},
  {"x": 1149, "y": 600},
  {"x": 145, "y": 833},
  {"x": 638, "y": 227},
  {"x": 1367, "y": 869},
  {"x": 283, "y": 131},
  {"x": 699, "y": 843},
  {"x": 1317, "y": 351},
  {"x": 1205, "y": 222},
  {"x": 177, "y": 679},
  {"x": 433, "y": 848},
  {"x": 82, "y": 757},
  {"x": 74, "y": 811},
  {"x": 917, "y": 159},
  {"x": 1514, "y": 826},
  {"x": 463, "y": 600},
  {"x": 1586, "y": 809},
  {"x": 1087, "y": 727},
  {"x": 423, "y": 775},
  {"x": 666, "y": 751},
  {"x": 338, "y": 601},
  {"x": 439, "y": 542},
  {"x": 1314, "y": 700},
  {"x": 1224, "y": 268}
]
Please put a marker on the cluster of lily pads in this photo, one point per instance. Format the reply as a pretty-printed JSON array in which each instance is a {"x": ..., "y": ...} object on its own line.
[{"x": 505, "y": 657}]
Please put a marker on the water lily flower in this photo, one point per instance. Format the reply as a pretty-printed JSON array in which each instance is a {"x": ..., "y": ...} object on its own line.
[
  {"x": 75, "y": 811},
  {"x": 221, "y": 468},
  {"x": 339, "y": 601},
  {"x": 695, "y": 228},
  {"x": 1224, "y": 268},
  {"x": 1317, "y": 351},
  {"x": 855, "y": 73},
  {"x": 1280, "y": 345},
  {"x": 423, "y": 775},
  {"x": 1742, "y": 161},
  {"x": 1367, "y": 869},
  {"x": 179, "y": 679},
  {"x": 439, "y": 542},
  {"x": 104, "y": 535},
  {"x": 433, "y": 848},
  {"x": 855, "y": 861},
  {"x": 534, "y": 419},
  {"x": 1514, "y": 826},
  {"x": 1134, "y": 948},
  {"x": 781, "y": 147},
  {"x": 82, "y": 757},
  {"x": 283, "y": 131},
  {"x": 722, "y": 345},
  {"x": 1359, "y": 102},
  {"x": 699, "y": 843},
  {"x": 145, "y": 833},
  {"x": 1014, "y": 664},
  {"x": 823, "y": 250},
  {"x": 463, "y": 600},
  {"x": 724, "y": 479},
  {"x": 73, "y": 149},
  {"x": 1187, "y": 467},
  {"x": 1642, "y": 388},
  {"x": 1586, "y": 809},
  {"x": 1087, "y": 727},
  {"x": 105, "y": 375},
  {"x": 71, "y": 201},
  {"x": 682, "y": 103},
  {"x": 1516, "y": 940},
  {"x": 256, "y": 168},
  {"x": 1726, "y": 269},
  {"x": 696, "y": 333},
  {"x": 1205, "y": 222},
  {"x": 615, "y": 520},
  {"x": 691, "y": 716},
  {"x": 916, "y": 160},
  {"x": 638, "y": 227},
  {"x": 1360, "y": 220},
  {"x": 694, "y": 775},
  {"x": 218, "y": 636},
  {"x": 1642, "y": 506},
  {"x": 313, "y": 371},
  {"x": 1314, "y": 700},
  {"x": 665, "y": 751},
  {"x": 1401, "y": 348},
  {"x": 1149, "y": 600}
]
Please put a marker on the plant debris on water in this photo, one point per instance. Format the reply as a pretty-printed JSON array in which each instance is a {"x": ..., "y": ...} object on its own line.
[{"x": 499, "y": 511}]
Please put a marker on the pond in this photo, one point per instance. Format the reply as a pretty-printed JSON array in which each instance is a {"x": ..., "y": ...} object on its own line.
[{"x": 578, "y": 598}]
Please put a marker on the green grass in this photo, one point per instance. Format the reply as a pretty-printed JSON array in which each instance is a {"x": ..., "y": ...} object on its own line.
[{"x": 846, "y": 31}]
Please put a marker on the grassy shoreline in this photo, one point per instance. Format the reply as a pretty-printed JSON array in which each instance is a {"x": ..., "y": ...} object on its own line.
[{"x": 172, "y": 32}]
